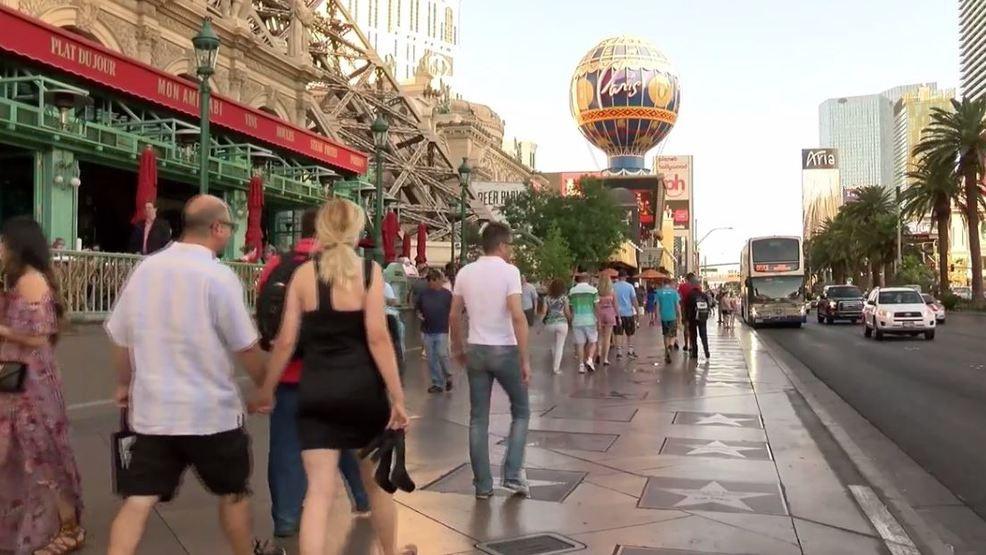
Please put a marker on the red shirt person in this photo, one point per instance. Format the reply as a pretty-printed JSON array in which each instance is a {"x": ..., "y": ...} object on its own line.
[
  {"x": 304, "y": 248},
  {"x": 684, "y": 290}
]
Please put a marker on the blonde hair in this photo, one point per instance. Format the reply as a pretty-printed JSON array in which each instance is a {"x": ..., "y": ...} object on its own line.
[
  {"x": 605, "y": 286},
  {"x": 338, "y": 227}
]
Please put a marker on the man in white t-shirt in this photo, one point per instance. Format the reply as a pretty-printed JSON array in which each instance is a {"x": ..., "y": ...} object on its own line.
[
  {"x": 490, "y": 292},
  {"x": 176, "y": 327}
]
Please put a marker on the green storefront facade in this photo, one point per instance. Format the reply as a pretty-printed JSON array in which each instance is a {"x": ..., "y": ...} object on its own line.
[{"x": 75, "y": 118}]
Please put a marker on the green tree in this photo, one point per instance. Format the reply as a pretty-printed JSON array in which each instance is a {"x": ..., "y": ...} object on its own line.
[
  {"x": 956, "y": 140},
  {"x": 591, "y": 223},
  {"x": 914, "y": 272},
  {"x": 873, "y": 228},
  {"x": 553, "y": 259},
  {"x": 931, "y": 193}
]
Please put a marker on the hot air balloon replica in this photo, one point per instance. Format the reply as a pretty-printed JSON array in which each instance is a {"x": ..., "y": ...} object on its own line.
[{"x": 625, "y": 99}]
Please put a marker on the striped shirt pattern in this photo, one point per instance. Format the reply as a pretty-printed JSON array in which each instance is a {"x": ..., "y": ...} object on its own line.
[{"x": 181, "y": 315}]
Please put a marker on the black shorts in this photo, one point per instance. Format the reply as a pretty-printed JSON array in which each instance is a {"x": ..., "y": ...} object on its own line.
[
  {"x": 157, "y": 463},
  {"x": 627, "y": 325}
]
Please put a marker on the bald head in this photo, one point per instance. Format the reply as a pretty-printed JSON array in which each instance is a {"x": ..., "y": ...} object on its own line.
[{"x": 201, "y": 213}]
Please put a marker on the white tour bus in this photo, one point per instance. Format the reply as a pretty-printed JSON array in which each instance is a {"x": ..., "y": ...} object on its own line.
[{"x": 772, "y": 278}]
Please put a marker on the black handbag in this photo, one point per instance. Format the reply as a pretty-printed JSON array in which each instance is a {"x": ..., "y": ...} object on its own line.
[
  {"x": 121, "y": 444},
  {"x": 12, "y": 376}
]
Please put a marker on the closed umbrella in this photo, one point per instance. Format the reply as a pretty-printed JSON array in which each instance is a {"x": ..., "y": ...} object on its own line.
[
  {"x": 146, "y": 182},
  {"x": 406, "y": 246},
  {"x": 390, "y": 230},
  {"x": 255, "y": 208},
  {"x": 422, "y": 257}
]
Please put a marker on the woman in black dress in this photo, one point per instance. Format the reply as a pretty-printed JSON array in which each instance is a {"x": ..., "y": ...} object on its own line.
[{"x": 350, "y": 391}]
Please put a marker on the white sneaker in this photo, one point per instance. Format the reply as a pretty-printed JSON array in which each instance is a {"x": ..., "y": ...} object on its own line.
[
  {"x": 582, "y": 369},
  {"x": 590, "y": 365},
  {"x": 557, "y": 372}
]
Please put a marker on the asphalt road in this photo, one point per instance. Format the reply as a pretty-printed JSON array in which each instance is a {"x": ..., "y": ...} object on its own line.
[{"x": 929, "y": 397}]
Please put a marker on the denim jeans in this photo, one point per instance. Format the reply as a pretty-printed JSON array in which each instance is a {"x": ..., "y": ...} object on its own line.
[
  {"x": 436, "y": 345},
  {"x": 484, "y": 365},
  {"x": 285, "y": 471}
]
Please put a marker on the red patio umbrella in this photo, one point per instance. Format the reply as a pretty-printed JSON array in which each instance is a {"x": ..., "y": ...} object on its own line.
[
  {"x": 255, "y": 208},
  {"x": 390, "y": 230},
  {"x": 146, "y": 182},
  {"x": 422, "y": 258},
  {"x": 406, "y": 246}
]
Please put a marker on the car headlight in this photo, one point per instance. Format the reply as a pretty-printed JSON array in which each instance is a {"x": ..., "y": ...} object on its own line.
[
  {"x": 753, "y": 313},
  {"x": 886, "y": 314}
]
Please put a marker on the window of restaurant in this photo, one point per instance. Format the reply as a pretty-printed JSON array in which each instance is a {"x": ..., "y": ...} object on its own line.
[{"x": 16, "y": 182}]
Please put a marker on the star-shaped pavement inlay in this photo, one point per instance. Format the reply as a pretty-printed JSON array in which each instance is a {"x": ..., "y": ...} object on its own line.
[
  {"x": 719, "y": 448},
  {"x": 714, "y": 493},
  {"x": 722, "y": 419}
]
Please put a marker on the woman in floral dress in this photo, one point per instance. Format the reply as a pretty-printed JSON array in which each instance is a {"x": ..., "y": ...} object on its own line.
[{"x": 40, "y": 492}]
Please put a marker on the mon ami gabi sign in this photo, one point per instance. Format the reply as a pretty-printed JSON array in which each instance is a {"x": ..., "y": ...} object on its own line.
[{"x": 60, "y": 49}]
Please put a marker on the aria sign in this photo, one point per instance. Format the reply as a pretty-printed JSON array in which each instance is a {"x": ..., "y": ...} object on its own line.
[{"x": 819, "y": 159}]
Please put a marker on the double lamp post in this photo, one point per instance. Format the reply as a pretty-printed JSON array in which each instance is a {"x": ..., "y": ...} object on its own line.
[{"x": 206, "y": 44}]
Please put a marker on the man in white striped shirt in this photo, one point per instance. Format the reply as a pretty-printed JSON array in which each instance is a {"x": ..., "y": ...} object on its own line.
[{"x": 177, "y": 323}]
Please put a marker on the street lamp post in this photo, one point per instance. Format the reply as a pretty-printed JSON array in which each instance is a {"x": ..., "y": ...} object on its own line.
[
  {"x": 465, "y": 172},
  {"x": 706, "y": 236},
  {"x": 206, "y": 45},
  {"x": 379, "y": 129}
]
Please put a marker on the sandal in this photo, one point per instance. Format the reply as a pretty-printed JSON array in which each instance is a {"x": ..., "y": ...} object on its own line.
[{"x": 70, "y": 538}]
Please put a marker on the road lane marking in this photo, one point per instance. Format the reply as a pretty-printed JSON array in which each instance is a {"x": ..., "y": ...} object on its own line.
[{"x": 893, "y": 534}]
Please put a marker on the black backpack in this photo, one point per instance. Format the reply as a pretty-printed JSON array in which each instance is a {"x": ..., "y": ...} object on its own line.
[
  {"x": 270, "y": 301},
  {"x": 702, "y": 305}
]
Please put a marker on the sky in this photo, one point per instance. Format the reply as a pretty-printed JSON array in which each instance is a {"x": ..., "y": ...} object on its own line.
[{"x": 752, "y": 75}]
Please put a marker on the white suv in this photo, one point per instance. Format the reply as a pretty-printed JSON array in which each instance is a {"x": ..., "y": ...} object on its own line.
[{"x": 897, "y": 310}]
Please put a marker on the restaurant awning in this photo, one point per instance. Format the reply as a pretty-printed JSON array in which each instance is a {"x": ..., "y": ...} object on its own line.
[
  {"x": 626, "y": 254},
  {"x": 64, "y": 51}
]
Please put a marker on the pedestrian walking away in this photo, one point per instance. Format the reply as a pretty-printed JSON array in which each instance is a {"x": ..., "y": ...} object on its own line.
[
  {"x": 350, "y": 392},
  {"x": 650, "y": 305},
  {"x": 669, "y": 306},
  {"x": 285, "y": 471},
  {"x": 627, "y": 309},
  {"x": 490, "y": 291},
  {"x": 40, "y": 490},
  {"x": 556, "y": 313},
  {"x": 433, "y": 306},
  {"x": 176, "y": 322},
  {"x": 395, "y": 324},
  {"x": 585, "y": 322},
  {"x": 698, "y": 306},
  {"x": 607, "y": 317},
  {"x": 684, "y": 288},
  {"x": 529, "y": 301}
]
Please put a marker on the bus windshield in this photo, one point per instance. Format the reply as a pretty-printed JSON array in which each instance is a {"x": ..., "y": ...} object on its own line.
[
  {"x": 769, "y": 251},
  {"x": 780, "y": 288}
]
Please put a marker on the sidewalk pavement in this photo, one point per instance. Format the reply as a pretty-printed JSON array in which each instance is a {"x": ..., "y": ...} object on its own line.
[{"x": 640, "y": 458}]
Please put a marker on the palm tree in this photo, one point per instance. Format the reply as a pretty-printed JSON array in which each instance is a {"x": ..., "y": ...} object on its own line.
[
  {"x": 957, "y": 140},
  {"x": 869, "y": 215},
  {"x": 931, "y": 192}
]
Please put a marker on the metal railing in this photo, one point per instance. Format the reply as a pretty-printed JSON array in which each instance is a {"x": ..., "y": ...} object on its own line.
[{"x": 90, "y": 281}]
